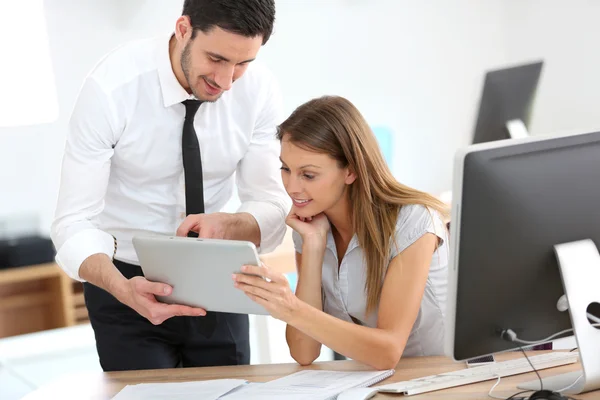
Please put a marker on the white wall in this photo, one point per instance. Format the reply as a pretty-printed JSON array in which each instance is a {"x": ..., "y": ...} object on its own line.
[
  {"x": 415, "y": 66},
  {"x": 565, "y": 35}
]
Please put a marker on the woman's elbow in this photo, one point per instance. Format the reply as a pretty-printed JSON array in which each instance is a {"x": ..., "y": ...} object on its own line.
[
  {"x": 304, "y": 361},
  {"x": 386, "y": 363},
  {"x": 303, "y": 350},
  {"x": 303, "y": 358},
  {"x": 389, "y": 358}
]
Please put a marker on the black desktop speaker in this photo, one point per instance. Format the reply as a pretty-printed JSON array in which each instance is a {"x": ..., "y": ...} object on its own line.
[{"x": 24, "y": 251}]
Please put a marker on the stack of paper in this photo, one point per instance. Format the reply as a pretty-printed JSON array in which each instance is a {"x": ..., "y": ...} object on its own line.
[
  {"x": 205, "y": 390},
  {"x": 303, "y": 385}
]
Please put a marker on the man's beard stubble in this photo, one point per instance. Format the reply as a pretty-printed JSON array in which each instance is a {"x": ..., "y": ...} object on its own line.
[{"x": 185, "y": 67}]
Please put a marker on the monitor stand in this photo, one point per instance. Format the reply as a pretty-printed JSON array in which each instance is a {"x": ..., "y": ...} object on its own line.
[
  {"x": 516, "y": 129},
  {"x": 579, "y": 264}
]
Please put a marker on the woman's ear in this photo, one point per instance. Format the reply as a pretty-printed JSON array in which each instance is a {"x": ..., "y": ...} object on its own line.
[{"x": 350, "y": 177}]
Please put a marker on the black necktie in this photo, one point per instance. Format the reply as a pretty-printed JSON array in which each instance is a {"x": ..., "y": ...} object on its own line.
[
  {"x": 194, "y": 196},
  {"x": 192, "y": 163}
]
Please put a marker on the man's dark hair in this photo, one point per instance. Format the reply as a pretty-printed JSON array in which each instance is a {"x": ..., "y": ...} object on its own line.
[{"x": 248, "y": 18}]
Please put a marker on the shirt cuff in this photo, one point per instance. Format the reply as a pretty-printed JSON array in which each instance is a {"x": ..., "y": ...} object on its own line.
[
  {"x": 271, "y": 221},
  {"x": 82, "y": 245}
]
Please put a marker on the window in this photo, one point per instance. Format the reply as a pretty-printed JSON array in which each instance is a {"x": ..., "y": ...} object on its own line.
[
  {"x": 385, "y": 139},
  {"x": 28, "y": 94}
]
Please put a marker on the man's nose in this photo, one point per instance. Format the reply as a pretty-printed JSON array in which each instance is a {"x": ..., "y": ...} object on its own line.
[{"x": 224, "y": 77}]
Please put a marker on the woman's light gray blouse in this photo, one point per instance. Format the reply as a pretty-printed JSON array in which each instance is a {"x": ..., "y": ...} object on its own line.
[{"x": 344, "y": 293}]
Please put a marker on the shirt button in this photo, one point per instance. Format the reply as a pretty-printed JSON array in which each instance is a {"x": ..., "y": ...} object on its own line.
[{"x": 182, "y": 215}]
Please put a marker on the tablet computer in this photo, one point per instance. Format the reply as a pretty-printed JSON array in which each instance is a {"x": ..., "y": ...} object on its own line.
[{"x": 199, "y": 270}]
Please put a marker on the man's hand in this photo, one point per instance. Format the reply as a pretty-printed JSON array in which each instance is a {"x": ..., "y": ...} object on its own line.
[
  {"x": 215, "y": 226},
  {"x": 139, "y": 294},
  {"x": 239, "y": 226}
]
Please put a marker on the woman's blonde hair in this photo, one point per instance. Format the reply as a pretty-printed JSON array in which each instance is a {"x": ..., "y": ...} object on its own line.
[{"x": 332, "y": 125}]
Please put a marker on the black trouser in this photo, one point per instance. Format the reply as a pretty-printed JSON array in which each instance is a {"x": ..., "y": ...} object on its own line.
[{"x": 127, "y": 341}]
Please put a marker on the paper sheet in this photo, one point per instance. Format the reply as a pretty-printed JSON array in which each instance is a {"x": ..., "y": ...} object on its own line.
[
  {"x": 205, "y": 390},
  {"x": 240, "y": 388},
  {"x": 309, "y": 385}
]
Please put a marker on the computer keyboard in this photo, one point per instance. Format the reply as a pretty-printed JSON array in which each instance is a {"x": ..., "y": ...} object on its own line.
[{"x": 479, "y": 374}]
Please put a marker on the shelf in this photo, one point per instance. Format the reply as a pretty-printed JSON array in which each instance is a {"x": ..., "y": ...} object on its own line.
[
  {"x": 33, "y": 273},
  {"x": 35, "y": 298},
  {"x": 26, "y": 300}
]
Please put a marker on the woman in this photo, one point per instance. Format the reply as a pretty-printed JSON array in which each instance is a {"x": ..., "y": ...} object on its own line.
[{"x": 371, "y": 253}]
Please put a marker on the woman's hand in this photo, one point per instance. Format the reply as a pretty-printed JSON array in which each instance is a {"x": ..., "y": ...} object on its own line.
[
  {"x": 273, "y": 293},
  {"x": 312, "y": 228}
]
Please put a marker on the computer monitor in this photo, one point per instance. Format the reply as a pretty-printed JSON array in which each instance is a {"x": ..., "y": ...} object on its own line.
[
  {"x": 525, "y": 230},
  {"x": 506, "y": 103}
]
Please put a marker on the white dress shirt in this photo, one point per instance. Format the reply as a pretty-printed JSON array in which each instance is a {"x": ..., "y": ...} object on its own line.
[
  {"x": 344, "y": 293},
  {"x": 122, "y": 172}
]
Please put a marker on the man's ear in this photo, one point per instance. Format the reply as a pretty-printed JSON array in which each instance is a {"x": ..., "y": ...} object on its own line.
[
  {"x": 350, "y": 177},
  {"x": 183, "y": 27}
]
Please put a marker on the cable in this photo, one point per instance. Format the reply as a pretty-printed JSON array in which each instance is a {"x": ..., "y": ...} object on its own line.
[
  {"x": 505, "y": 398},
  {"x": 513, "y": 397},
  {"x": 492, "y": 389},
  {"x": 511, "y": 336},
  {"x": 532, "y": 367},
  {"x": 592, "y": 317},
  {"x": 540, "y": 379}
]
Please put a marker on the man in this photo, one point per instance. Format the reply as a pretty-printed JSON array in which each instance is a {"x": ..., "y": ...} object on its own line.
[{"x": 157, "y": 133}]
